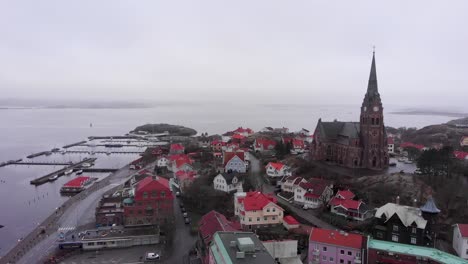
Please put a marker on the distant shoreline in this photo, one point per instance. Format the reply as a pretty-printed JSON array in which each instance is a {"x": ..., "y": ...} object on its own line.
[{"x": 430, "y": 113}]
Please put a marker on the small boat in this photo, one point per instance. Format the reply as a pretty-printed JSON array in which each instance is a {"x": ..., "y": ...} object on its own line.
[
  {"x": 70, "y": 171},
  {"x": 53, "y": 178},
  {"x": 63, "y": 152},
  {"x": 392, "y": 164},
  {"x": 48, "y": 153},
  {"x": 55, "y": 149},
  {"x": 86, "y": 165},
  {"x": 408, "y": 162},
  {"x": 108, "y": 152},
  {"x": 79, "y": 172}
]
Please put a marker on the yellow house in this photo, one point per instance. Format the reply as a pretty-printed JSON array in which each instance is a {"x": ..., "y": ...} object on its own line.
[{"x": 256, "y": 210}]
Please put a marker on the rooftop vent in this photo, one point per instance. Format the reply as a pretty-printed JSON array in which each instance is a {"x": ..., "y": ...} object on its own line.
[
  {"x": 233, "y": 243},
  {"x": 245, "y": 244}
]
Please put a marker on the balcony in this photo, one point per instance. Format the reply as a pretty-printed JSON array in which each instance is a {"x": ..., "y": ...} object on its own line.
[
  {"x": 316, "y": 252},
  {"x": 357, "y": 261}
]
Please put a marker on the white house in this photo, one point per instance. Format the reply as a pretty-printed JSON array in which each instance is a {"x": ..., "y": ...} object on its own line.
[
  {"x": 277, "y": 169},
  {"x": 234, "y": 162},
  {"x": 228, "y": 182},
  {"x": 460, "y": 240},
  {"x": 162, "y": 161},
  {"x": 290, "y": 183},
  {"x": 313, "y": 193}
]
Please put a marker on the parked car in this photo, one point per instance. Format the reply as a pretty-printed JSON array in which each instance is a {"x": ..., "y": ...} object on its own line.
[
  {"x": 181, "y": 204},
  {"x": 152, "y": 256},
  {"x": 185, "y": 214},
  {"x": 183, "y": 209},
  {"x": 187, "y": 220}
]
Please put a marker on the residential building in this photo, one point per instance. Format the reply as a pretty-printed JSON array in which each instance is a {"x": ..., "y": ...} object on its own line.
[
  {"x": 304, "y": 132},
  {"x": 162, "y": 161},
  {"x": 344, "y": 204},
  {"x": 298, "y": 146},
  {"x": 209, "y": 224},
  {"x": 238, "y": 138},
  {"x": 284, "y": 251},
  {"x": 333, "y": 246},
  {"x": 263, "y": 144},
  {"x": 277, "y": 169},
  {"x": 238, "y": 248},
  {"x": 243, "y": 131},
  {"x": 460, "y": 240},
  {"x": 464, "y": 141},
  {"x": 228, "y": 182},
  {"x": 177, "y": 149},
  {"x": 391, "y": 145},
  {"x": 405, "y": 145},
  {"x": 461, "y": 155},
  {"x": 401, "y": 224},
  {"x": 257, "y": 210},
  {"x": 290, "y": 183},
  {"x": 380, "y": 251},
  {"x": 217, "y": 145},
  {"x": 290, "y": 222},
  {"x": 234, "y": 162},
  {"x": 110, "y": 211},
  {"x": 151, "y": 203},
  {"x": 313, "y": 193},
  {"x": 180, "y": 162},
  {"x": 360, "y": 144}
]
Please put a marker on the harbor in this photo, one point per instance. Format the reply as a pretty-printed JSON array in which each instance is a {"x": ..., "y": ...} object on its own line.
[{"x": 61, "y": 172}]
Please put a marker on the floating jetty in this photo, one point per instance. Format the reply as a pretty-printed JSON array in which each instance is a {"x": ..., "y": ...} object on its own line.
[
  {"x": 114, "y": 137},
  {"x": 99, "y": 170},
  {"x": 42, "y": 163},
  {"x": 44, "y": 179},
  {"x": 73, "y": 144},
  {"x": 37, "y": 154}
]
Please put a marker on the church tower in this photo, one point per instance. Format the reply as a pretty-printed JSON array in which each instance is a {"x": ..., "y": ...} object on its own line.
[{"x": 372, "y": 129}]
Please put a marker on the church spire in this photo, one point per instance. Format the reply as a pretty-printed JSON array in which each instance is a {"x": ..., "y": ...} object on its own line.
[{"x": 372, "y": 86}]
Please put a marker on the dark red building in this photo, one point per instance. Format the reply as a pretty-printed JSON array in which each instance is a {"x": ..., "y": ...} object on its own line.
[
  {"x": 360, "y": 144},
  {"x": 151, "y": 203}
]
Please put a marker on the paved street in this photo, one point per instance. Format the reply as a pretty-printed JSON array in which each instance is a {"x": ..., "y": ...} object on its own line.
[{"x": 79, "y": 213}]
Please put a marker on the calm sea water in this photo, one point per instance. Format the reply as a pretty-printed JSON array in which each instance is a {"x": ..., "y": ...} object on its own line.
[{"x": 26, "y": 131}]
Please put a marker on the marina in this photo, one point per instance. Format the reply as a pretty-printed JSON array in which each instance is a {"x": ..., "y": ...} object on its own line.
[
  {"x": 74, "y": 144},
  {"x": 64, "y": 171}
]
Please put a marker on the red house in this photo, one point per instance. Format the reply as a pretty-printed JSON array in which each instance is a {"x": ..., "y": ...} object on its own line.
[
  {"x": 176, "y": 149},
  {"x": 151, "y": 204}
]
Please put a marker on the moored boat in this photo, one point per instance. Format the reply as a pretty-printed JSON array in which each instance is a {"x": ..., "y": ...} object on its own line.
[
  {"x": 67, "y": 172},
  {"x": 79, "y": 172},
  {"x": 53, "y": 178}
]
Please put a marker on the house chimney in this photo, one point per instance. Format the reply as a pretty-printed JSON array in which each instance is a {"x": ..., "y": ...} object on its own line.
[{"x": 397, "y": 200}]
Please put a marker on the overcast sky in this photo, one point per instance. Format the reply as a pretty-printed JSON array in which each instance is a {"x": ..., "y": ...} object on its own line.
[{"x": 263, "y": 51}]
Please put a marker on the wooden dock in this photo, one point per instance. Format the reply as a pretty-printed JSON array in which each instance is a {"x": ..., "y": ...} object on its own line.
[
  {"x": 73, "y": 144},
  {"x": 45, "y": 178},
  {"x": 42, "y": 163},
  {"x": 105, "y": 152},
  {"x": 99, "y": 170}
]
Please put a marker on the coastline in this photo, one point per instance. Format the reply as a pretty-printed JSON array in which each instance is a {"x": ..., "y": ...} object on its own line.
[{"x": 430, "y": 113}]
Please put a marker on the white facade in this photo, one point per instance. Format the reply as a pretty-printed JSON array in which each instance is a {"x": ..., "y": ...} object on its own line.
[
  {"x": 220, "y": 183},
  {"x": 184, "y": 167},
  {"x": 290, "y": 184},
  {"x": 274, "y": 172},
  {"x": 308, "y": 200},
  {"x": 460, "y": 243},
  {"x": 225, "y": 138},
  {"x": 235, "y": 164},
  {"x": 162, "y": 162}
]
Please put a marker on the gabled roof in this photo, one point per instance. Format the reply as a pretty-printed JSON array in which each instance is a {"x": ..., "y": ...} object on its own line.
[
  {"x": 346, "y": 194},
  {"x": 185, "y": 175},
  {"x": 314, "y": 187},
  {"x": 228, "y": 176},
  {"x": 430, "y": 206},
  {"x": 339, "y": 132},
  {"x": 334, "y": 237},
  {"x": 243, "y": 130},
  {"x": 150, "y": 183},
  {"x": 257, "y": 201},
  {"x": 177, "y": 147},
  {"x": 264, "y": 142},
  {"x": 218, "y": 142},
  {"x": 276, "y": 165},
  {"x": 463, "y": 229},
  {"x": 298, "y": 143},
  {"x": 230, "y": 155},
  {"x": 390, "y": 140},
  {"x": 238, "y": 136},
  {"x": 213, "y": 222},
  {"x": 407, "y": 214},
  {"x": 346, "y": 203}
]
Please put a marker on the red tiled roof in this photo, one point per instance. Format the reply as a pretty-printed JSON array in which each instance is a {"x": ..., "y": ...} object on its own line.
[
  {"x": 264, "y": 143},
  {"x": 390, "y": 140},
  {"x": 346, "y": 203},
  {"x": 276, "y": 165},
  {"x": 175, "y": 147},
  {"x": 298, "y": 143},
  {"x": 346, "y": 194},
  {"x": 411, "y": 145},
  {"x": 257, "y": 201},
  {"x": 242, "y": 130},
  {"x": 157, "y": 184},
  {"x": 213, "y": 222},
  {"x": 460, "y": 154},
  {"x": 317, "y": 186},
  {"x": 312, "y": 195},
  {"x": 230, "y": 155},
  {"x": 463, "y": 229},
  {"x": 290, "y": 220},
  {"x": 77, "y": 182},
  {"x": 186, "y": 175},
  {"x": 333, "y": 237},
  {"x": 218, "y": 142},
  {"x": 238, "y": 136}
]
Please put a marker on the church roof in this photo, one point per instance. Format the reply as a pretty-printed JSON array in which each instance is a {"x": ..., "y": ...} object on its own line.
[
  {"x": 339, "y": 132},
  {"x": 430, "y": 206},
  {"x": 372, "y": 87}
]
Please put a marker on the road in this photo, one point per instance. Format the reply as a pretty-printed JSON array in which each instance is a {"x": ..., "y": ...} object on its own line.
[
  {"x": 77, "y": 214},
  {"x": 256, "y": 173}
]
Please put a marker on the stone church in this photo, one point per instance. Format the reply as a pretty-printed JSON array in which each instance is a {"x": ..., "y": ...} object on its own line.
[{"x": 360, "y": 144}]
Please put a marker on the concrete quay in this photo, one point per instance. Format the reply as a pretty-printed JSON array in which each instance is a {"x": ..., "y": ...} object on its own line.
[{"x": 45, "y": 178}]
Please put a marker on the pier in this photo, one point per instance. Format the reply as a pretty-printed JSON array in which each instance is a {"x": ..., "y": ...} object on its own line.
[
  {"x": 45, "y": 178},
  {"x": 104, "y": 152},
  {"x": 37, "y": 154},
  {"x": 99, "y": 170},
  {"x": 114, "y": 137},
  {"x": 73, "y": 144},
  {"x": 42, "y": 163}
]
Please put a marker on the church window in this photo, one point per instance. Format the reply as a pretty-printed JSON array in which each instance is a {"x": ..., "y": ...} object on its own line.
[
  {"x": 372, "y": 121},
  {"x": 377, "y": 121}
]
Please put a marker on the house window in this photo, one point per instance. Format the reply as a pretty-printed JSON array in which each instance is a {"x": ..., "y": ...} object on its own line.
[
  {"x": 324, "y": 258},
  {"x": 331, "y": 259},
  {"x": 145, "y": 195},
  {"x": 265, "y": 218},
  {"x": 163, "y": 194},
  {"x": 268, "y": 210},
  {"x": 325, "y": 249},
  {"x": 413, "y": 230},
  {"x": 395, "y": 228},
  {"x": 274, "y": 209},
  {"x": 341, "y": 261},
  {"x": 394, "y": 238},
  {"x": 358, "y": 254},
  {"x": 154, "y": 193},
  {"x": 350, "y": 253},
  {"x": 273, "y": 218},
  {"x": 413, "y": 240},
  {"x": 250, "y": 219},
  {"x": 258, "y": 219},
  {"x": 341, "y": 252}
]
